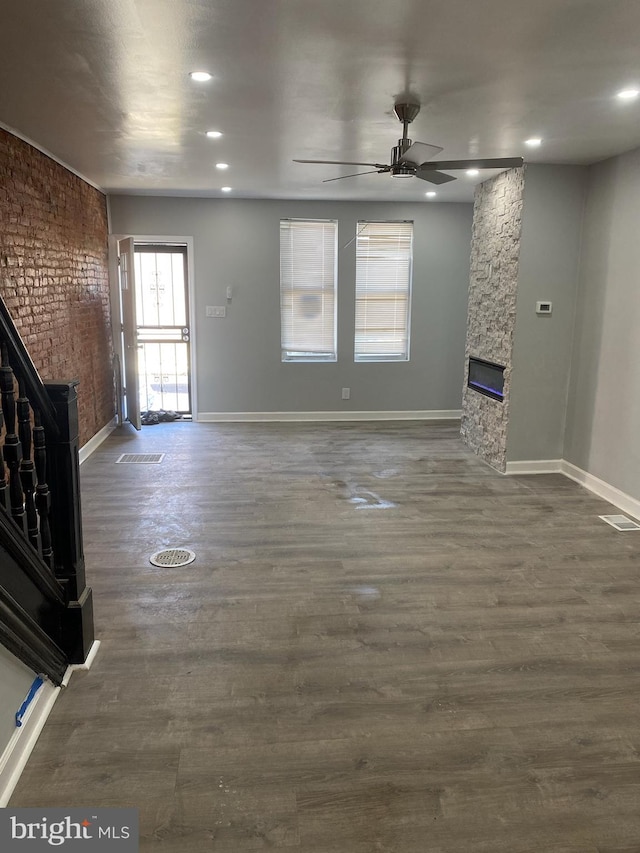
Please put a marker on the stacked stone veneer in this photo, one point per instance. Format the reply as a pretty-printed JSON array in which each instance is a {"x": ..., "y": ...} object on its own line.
[
  {"x": 54, "y": 274},
  {"x": 493, "y": 287}
]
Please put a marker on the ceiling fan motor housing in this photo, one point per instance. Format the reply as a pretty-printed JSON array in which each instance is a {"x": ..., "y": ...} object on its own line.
[
  {"x": 398, "y": 150},
  {"x": 398, "y": 169}
]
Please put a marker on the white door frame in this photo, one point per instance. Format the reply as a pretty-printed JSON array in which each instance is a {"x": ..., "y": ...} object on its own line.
[{"x": 115, "y": 297}]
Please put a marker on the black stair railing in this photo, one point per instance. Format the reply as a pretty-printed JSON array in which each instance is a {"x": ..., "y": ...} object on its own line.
[{"x": 42, "y": 575}]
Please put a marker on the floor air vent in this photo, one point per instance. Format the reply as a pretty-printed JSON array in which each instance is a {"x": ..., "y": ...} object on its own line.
[
  {"x": 620, "y": 522},
  {"x": 140, "y": 458},
  {"x": 172, "y": 558}
]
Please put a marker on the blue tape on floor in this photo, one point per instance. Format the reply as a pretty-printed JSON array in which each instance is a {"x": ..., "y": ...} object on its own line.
[{"x": 22, "y": 710}]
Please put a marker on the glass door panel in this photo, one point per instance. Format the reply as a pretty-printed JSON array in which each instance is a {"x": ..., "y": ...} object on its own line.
[
  {"x": 163, "y": 331},
  {"x": 164, "y": 377}
]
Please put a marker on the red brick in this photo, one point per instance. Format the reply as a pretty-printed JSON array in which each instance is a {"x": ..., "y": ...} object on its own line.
[{"x": 54, "y": 274}]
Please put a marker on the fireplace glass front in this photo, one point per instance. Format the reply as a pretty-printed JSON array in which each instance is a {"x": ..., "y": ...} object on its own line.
[{"x": 487, "y": 378}]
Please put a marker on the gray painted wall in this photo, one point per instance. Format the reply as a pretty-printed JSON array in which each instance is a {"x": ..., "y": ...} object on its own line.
[
  {"x": 15, "y": 681},
  {"x": 554, "y": 199},
  {"x": 603, "y": 414},
  {"x": 236, "y": 242}
]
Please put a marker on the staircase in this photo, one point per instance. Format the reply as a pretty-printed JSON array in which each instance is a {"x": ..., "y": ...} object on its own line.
[{"x": 46, "y": 609}]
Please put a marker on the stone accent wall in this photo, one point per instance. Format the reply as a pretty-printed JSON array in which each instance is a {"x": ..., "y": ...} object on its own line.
[
  {"x": 493, "y": 286},
  {"x": 54, "y": 274}
]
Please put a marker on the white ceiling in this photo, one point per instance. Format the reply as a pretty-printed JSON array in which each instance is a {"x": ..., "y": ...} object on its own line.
[{"x": 104, "y": 86}]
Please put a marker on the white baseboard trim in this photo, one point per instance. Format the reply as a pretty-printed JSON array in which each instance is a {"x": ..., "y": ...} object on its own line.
[
  {"x": 78, "y": 667},
  {"x": 94, "y": 443},
  {"x": 603, "y": 490},
  {"x": 16, "y": 754},
  {"x": 235, "y": 417},
  {"x": 535, "y": 466},
  {"x": 609, "y": 493},
  {"x": 20, "y": 746}
]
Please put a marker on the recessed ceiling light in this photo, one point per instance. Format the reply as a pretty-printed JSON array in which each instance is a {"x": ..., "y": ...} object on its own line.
[
  {"x": 226, "y": 189},
  {"x": 214, "y": 134},
  {"x": 430, "y": 194},
  {"x": 534, "y": 142},
  {"x": 222, "y": 165},
  {"x": 472, "y": 172},
  {"x": 200, "y": 76},
  {"x": 628, "y": 94}
]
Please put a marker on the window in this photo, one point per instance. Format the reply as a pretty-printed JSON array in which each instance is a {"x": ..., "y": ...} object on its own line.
[
  {"x": 308, "y": 289},
  {"x": 384, "y": 252}
]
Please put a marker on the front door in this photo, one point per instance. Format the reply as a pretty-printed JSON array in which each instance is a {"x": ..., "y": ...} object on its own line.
[
  {"x": 163, "y": 333},
  {"x": 129, "y": 404}
]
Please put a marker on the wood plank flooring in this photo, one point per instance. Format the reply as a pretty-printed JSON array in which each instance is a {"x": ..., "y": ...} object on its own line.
[{"x": 382, "y": 647}]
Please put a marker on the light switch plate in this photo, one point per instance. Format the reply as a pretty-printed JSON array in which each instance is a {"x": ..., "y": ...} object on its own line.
[{"x": 216, "y": 311}]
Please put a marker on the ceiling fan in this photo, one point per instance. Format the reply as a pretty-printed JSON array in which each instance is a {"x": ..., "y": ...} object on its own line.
[{"x": 412, "y": 159}]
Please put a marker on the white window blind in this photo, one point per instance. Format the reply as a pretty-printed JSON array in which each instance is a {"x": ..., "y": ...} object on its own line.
[
  {"x": 384, "y": 252},
  {"x": 308, "y": 289}
]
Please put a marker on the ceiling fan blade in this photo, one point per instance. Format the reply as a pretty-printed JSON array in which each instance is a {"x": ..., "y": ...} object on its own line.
[
  {"x": 355, "y": 175},
  {"x": 419, "y": 152},
  {"x": 433, "y": 176},
  {"x": 343, "y": 163},
  {"x": 498, "y": 163}
]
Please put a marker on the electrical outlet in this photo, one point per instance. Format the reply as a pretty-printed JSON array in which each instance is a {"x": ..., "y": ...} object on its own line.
[{"x": 346, "y": 393}]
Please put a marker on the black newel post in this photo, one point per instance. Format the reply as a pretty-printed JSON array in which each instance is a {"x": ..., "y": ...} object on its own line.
[{"x": 66, "y": 521}]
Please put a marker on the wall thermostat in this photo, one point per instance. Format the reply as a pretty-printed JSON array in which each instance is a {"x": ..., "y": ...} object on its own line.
[{"x": 544, "y": 307}]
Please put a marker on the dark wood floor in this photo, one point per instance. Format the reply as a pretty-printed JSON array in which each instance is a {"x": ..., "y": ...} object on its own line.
[{"x": 382, "y": 647}]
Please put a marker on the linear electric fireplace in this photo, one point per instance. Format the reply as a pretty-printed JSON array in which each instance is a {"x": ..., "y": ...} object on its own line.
[{"x": 486, "y": 377}]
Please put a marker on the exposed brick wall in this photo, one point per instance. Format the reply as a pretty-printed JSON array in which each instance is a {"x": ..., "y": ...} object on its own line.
[{"x": 54, "y": 274}]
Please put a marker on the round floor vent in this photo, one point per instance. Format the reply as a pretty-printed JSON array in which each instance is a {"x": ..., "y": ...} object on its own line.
[{"x": 172, "y": 558}]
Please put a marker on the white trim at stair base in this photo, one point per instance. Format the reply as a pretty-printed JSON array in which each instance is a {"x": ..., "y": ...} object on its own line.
[
  {"x": 427, "y": 415},
  {"x": 22, "y": 741},
  {"x": 535, "y": 466},
  {"x": 80, "y": 667},
  {"x": 94, "y": 443},
  {"x": 16, "y": 754},
  {"x": 603, "y": 490}
]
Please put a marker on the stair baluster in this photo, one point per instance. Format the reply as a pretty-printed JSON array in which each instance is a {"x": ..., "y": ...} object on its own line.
[
  {"x": 12, "y": 447},
  {"x": 27, "y": 468},
  {"x": 43, "y": 496},
  {"x": 4, "y": 483}
]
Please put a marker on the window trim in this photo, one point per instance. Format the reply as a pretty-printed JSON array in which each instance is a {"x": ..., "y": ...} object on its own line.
[
  {"x": 300, "y": 356},
  {"x": 379, "y": 358}
]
